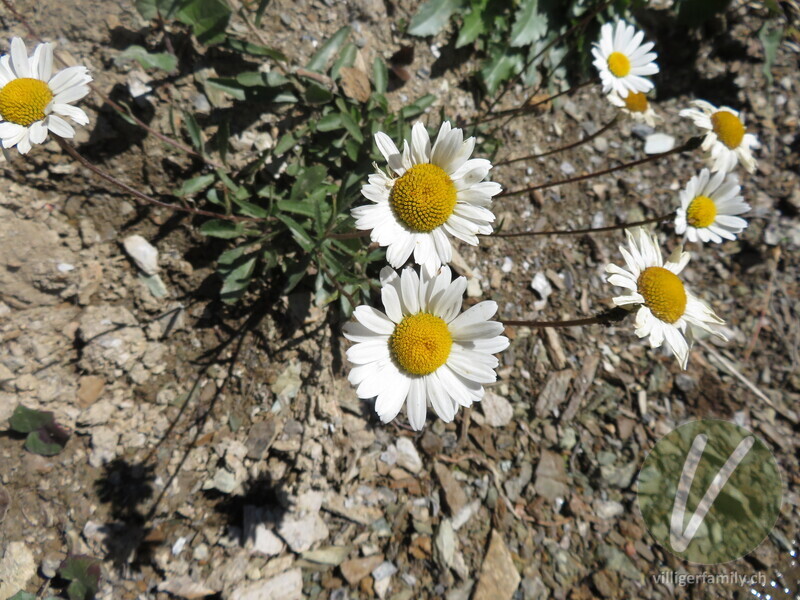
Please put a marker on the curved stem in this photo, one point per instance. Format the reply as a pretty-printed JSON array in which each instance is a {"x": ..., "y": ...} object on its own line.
[
  {"x": 609, "y": 317},
  {"x": 690, "y": 145},
  {"x": 142, "y": 197},
  {"x": 587, "y": 230},
  {"x": 529, "y": 107},
  {"x": 585, "y": 140}
]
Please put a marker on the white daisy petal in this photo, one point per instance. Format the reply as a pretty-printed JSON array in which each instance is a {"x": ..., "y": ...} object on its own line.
[{"x": 416, "y": 404}]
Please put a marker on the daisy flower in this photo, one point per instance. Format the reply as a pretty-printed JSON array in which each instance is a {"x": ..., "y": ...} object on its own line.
[
  {"x": 623, "y": 60},
  {"x": 665, "y": 306},
  {"x": 708, "y": 208},
  {"x": 437, "y": 191},
  {"x": 33, "y": 100},
  {"x": 636, "y": 105},
  {"x": 421, "y": 350},
  {"x": 727, "y": 139}
]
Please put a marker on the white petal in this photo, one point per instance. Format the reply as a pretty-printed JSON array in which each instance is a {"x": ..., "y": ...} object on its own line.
[
  {"x": 416, "y": 404},
  {"x": 374, "y": 320},
  {"x": 60, "y": 127},
  {"x": 19, "y": 58}
]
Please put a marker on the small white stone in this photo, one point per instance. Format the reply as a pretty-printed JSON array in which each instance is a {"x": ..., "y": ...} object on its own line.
[
  {"x": 407, "y": 456},
  {"x": 142, "y": 252},
  {"x": 497, "y": 410},
  {"x": 508, "y": 264}
]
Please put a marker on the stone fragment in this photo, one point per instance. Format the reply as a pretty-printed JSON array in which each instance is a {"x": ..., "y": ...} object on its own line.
[
  {"x": 300, "y": 533},
  {"x": 497, "y": 410},
  {"x": 454, "y": 496},
  {"x": 355, "y": 569},
  {"x": 551, "y": 478},
  {"x": 185, "y": 587},
  {"x": 89, "y": 389},
  {"x": 142, "y": 252},
  {"x": 498, "y": 578},
  {"x": 286, "y": 586},
  {"x": 17, "y": 567},
  {"x": 407, "y": 455},
  {"x": 445, "y": 544},
  {"x": 266, "y": 542}
]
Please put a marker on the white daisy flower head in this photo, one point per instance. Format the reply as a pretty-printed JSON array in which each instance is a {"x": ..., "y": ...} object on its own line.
[
  {"x": 622, "y": 60},
  {"x": 637, "y": 106},
  {"x": 727, "y": 138},
  {"x": 423, "y": 349},
  {"x": 33, "y": 100},
  {"x": 430, "y": 192},
  {"x": 709, "y": 205},
  {"x": 667, "y": 311}
]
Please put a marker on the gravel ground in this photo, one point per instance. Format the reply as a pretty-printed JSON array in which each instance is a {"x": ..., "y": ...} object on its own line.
[{"x": 220, "y": 452}]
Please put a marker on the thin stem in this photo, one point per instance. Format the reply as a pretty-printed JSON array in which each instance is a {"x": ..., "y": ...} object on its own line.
[
  {"x": 579, "y": 25},
  {"x": 349, "y": 235},
  {"x": 666, "y": 217},
  {"x": 692, "y": 144},
  {"x": 139, "y": 195},
  {"x": 117, "y": 107},
  {"x": 585, "y": 140},
  {"x": 530, "y": 107},
  {"x": 609, "y": 317}
]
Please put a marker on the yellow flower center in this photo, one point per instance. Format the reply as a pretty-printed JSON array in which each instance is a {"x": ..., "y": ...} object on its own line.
[
  {"x": 701, "y": 212},
  {"x": 618, "y": 64},
  {"x": 663, "y": 293},
  {"x": 23, "y": 100},
  {"x": 729, "y": 129},
  {"x": 421, "y": 343},
  {"x": 636, "y": 102},
  {"x": 423, "y": 198}
]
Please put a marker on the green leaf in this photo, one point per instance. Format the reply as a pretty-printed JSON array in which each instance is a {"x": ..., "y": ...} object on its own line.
[
  {"x": 529, "y": 24},
  {"x": 207, "y": 18},
  {"x": 150, "y": 9},
  {"x": 156, "y": 60},
  {"x": 473, "y": 26},
  {"x": 195, "y": 184},
  {"x": 244, "y": 47},
  {"x": 26, "y": 420},
  {"x": 308, "y": 181},
  {"x": 228, "y": 85},
  {"x": 330, "y": 122},
  {"x": 771, "y": 35},
  {"x": 316, "y": 94},
  {"x": 299, "y": 233},
  {"x": 498, "y": 69},
  {"x": 47, "y": 441},
  {"x": 380, "y": 75},
  {"x": 222, "y": 229},
  {"x": 320, "y": 59},
  {"x": 352, "y": 127},
  {"x": 346, "y": 58},
  {"x": 432, "y": 17},
  {"x": 295, "y": 272},
  {"x": 22, "y": 595},
  {"x": 84, "y": 574},
  {"x": 237, "y": 276},
  {"x": 416, "y": 108},
  {"x": 195, "y": 133}
]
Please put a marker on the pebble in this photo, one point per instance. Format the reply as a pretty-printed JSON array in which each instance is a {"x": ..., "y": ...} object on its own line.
[
  {"x": 474, "y": 289},
  {"x": 498, "y": 577},
  {"x": 641, "y": 130},
  {"x": 567, "y": 168},
  {"x": 303, "y": 532},
  {"x": 496, "y": 409},
  {"x": 507, "y": 265},
  {"x": 16, "y": 568},
  {"x": 445, "y": 543},
  {"x": 286, "y": 586},
  {"x": 608, "y": 509},
  {"x": 142, "y": 252},
  {"x": 407, "y": 456},
  {"x": 384, "y": 570},
  {"x": 354, "y": 570}
]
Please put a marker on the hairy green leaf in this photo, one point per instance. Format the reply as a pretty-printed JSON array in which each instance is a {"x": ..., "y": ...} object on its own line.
[
  {"x": 26, "y": 420},
  {"x": 432, "y": 16},
  {"x": 222, "y": 229},
  {"x": 320, "y": 59},
  {"x": 529, "y": 24},
  {"x": 771, "y": 35},
  {"x": 148, "y": 60},
  {"x": 207, "y": 18}
]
